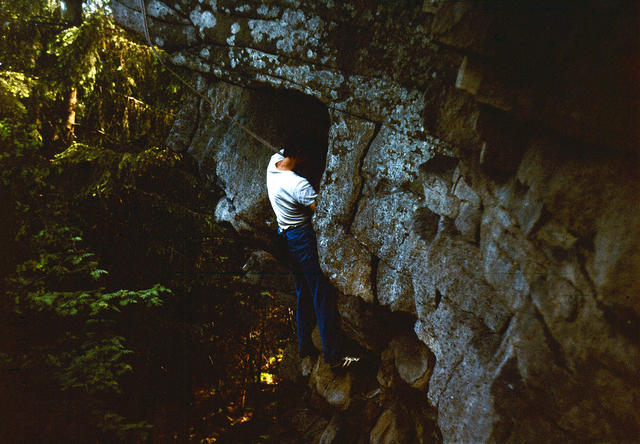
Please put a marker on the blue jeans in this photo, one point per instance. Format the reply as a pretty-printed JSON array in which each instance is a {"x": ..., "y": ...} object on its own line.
[{"x": 313, "y": 294}]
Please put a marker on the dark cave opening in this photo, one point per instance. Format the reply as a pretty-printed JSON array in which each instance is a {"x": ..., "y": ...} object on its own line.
[{"x": 289, "y": 114}]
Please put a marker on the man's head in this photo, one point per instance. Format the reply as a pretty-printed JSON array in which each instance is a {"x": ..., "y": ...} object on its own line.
[
  {"x": 298, "y": 146},
  {"x": 294, "y": 152},
  {"x": 296, "y": 143},
  {"x": 303, "y": 148}
]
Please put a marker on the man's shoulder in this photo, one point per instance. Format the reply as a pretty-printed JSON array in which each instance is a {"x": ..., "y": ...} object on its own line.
[
  {"x": 303, "y": 188},
  {"x": 271, "y": 167},
  {"x": 299, "y": 181},
  {"x": 292, "y": 182},
  {"x": 276, "y": 157}
]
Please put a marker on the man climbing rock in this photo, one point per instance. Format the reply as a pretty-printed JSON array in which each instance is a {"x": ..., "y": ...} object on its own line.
[{"x": 293, "y": 200}]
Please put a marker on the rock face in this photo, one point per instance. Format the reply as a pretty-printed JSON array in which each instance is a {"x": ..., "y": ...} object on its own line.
[{"x": 480, "y": 183}]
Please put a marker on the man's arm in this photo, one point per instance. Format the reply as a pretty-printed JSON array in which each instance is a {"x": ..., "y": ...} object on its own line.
[{"x": 305, "y": 195}]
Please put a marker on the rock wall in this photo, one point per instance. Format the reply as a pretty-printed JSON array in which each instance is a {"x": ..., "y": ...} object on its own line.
[{"x": 478, "y": 210}]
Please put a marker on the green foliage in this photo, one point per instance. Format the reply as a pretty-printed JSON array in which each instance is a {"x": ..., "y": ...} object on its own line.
[
  {"x": 25, "y": 27},
  {"x": 23, "y": 180},
  {"x": 77, "y": 52},
  {"x": 14, "y": 86},
  {"x": 132, "y": 98},
  {"x": 75, "y": 334},
  {"x": 112, "y": 422},
  {"x": 124, "y": 96},
  {"x": 20, "y": 143},
  {"x": 61, "y": 263},
  {"x": 92, "y": 343},
  {"x": 95, "y": 366}
]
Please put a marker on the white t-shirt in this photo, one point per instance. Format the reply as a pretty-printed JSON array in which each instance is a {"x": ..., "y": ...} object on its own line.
[{"x": 289, "y": 194}]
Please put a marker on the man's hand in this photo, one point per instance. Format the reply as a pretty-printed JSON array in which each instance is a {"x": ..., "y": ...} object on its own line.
[{"x": 313, "y": 207}]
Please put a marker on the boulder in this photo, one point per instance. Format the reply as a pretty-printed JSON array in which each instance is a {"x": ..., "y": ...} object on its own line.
[
  {"x": 334, "y": 388},
  {"x": 391, "y": 427},
  {"x": 413, "y": 360}
]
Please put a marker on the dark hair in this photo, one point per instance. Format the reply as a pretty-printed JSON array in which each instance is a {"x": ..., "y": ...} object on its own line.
[
  {"x": 292, "y": 150},
  {"x": 299, "y": 141}
]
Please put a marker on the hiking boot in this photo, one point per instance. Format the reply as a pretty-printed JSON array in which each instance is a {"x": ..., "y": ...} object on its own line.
[{"x": 344, "y": 362}]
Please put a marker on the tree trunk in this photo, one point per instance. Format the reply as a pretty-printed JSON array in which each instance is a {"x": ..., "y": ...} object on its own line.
[
  {"x": 72, "y": 12},
  {"x": 72, "y": 101}
]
